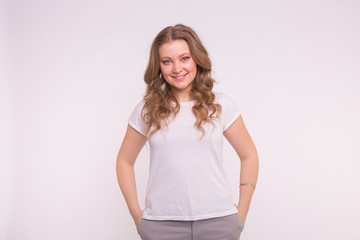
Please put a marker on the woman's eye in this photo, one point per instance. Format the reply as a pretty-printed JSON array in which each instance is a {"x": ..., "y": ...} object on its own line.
[
  {"x": 166, "y": 62},
  {"x": 185, "y": 58}
]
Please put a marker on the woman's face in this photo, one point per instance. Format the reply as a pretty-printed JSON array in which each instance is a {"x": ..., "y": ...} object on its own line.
[{"x": 178, "y": 67}]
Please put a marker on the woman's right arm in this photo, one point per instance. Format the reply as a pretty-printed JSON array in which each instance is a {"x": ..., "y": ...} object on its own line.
[{"x": 130, "y": 148}]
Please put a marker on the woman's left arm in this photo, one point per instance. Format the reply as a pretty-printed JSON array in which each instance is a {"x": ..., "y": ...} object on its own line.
[{"x": 240, "y": 140}]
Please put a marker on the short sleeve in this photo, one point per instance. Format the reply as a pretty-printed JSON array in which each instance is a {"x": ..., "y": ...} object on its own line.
[
  {"x": 230, "y": 111},
  {"x": 135, "y": 120}
]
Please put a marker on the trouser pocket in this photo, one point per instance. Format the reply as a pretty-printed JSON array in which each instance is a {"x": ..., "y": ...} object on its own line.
[
  {"x": 140, "y": 224},
  {"x": 241, "y": 223}
]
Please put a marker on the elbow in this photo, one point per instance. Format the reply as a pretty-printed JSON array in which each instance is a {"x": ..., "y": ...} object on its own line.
[
  {"x": 253, "y": 158},
  {"x": 122, "y": 163}
]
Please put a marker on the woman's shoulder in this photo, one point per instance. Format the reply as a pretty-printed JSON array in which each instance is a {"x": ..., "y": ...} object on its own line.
[
  {"x": 138, "y": 105},
  {"x": 224, "y": 99},
  {"x": 219, "y": 96}
]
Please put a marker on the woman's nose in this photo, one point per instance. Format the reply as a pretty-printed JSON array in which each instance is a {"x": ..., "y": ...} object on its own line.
[{"x": 176, "y": 67}]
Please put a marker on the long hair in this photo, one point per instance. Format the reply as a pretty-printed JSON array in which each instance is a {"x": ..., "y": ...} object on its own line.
[{"x": 159, "y": 98}]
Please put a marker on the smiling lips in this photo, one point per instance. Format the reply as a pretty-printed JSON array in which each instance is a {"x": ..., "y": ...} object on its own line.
[{"x": 179, "y": 78}]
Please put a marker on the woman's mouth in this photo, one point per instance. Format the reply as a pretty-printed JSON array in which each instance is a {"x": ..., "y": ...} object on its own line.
[{"x": 180, "y": 77}]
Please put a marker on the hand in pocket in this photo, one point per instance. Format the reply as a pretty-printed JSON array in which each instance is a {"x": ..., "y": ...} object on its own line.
[
  {"x": 138, "y": 219},
  {"x": 242, "y": 218}
]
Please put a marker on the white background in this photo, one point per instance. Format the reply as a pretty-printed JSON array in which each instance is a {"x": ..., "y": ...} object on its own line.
[{"x": 72, "y": 72}]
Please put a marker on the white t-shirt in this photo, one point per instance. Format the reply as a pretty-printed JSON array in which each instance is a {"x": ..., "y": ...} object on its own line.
[{"x": 187, "y": 180}]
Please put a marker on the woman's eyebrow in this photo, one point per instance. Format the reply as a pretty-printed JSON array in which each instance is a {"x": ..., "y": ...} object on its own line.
[{"x": 178, "y": 56}]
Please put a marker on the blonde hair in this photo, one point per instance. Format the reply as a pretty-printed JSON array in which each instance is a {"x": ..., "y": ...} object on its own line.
[{"x": 158, "y": 96}]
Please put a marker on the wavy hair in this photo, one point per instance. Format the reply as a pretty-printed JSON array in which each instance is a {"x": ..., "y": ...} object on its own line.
[{"x": 159, "y": 97}]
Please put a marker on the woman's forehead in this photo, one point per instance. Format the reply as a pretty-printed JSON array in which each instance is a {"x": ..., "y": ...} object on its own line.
[{"x": 174, "y": 48}]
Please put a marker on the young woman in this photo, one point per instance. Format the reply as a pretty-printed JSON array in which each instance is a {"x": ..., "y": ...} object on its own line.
[{"x": 187, "y": 195}]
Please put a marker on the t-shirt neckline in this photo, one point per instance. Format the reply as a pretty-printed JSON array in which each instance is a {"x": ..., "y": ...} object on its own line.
[{"x": 187, "y": 103}]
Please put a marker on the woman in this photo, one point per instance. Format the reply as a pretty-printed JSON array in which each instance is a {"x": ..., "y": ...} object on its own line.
[{"x": 187, "y": 195}]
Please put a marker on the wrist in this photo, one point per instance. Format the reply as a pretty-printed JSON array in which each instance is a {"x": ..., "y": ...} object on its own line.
[
  {"x": 136, "y": 213},
  {"x": 241, "y": 209}
]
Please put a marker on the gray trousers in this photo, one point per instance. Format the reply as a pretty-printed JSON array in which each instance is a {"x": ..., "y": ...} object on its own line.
[{"x": 219, "y": 228}]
